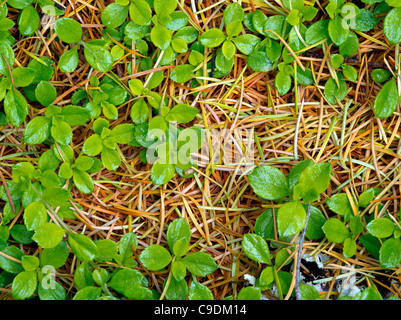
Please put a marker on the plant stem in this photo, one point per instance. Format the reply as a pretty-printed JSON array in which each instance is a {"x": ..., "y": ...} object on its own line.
[{"x": 301, "y": 243}]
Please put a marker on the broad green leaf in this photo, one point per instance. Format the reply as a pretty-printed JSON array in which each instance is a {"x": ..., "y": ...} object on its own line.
[
  {"x": 212, "y": 38},
  {"x": 24, "y": 285},
  {"x": 317, "y": 32},
  {"x": 155, "y": 257},
  {"x": 35, "y": 215},
  {"x": 182, "y": 113},
  {"x": 162, "y": 173},
  {"x": 139, "y": 111},
  {"x": 19, "y": 4},
  {"x": 114, "y": 15},
  {"x": 68, "y": 30},
  {"x": 356, "y": 225},
  {"x": 110, "y": 158},
  {"x": 98, "y": 56},
  {"x": 44, "y": 70},
  {"x": 392, "y": 27},
  {"x": 233, "y": 12},
  {"x": 291, "y": 218},
  {"x": 93, "y": 145},
  {"x": 164, "y": 6},
  {"x": 107, "y": 249},
  {"x": 23, "y": 76},
  {"x": 126, "y": 243},
  {"x": 56, "y": 256},
  {"x": 282, "y": 82},
  {"x": 266, "y": 278},
  {"x": 88, "y": 293},
  {"x": 8, "y": 52},
  {"x": 198, "y": 291},
  {"x": 178, "y": 270},
  {"x": 177, "y": 289},
  {"x": 269, "y": 183},
  {"x": 350, "y": 73},
  {"x": 178, "y": 229},
  {"x": 381, "y": 227},
  {"x": 182, "y": 73},
  {"x": 390, "y": 253},
  {"x": 140, "y": 12},
  {"x": 83, "y": 181},
  {"x": 349, "y": 247},
  {"x": 309, "y": 292},
  {"x": 364, "y": 21},
  {"x": 339, "y": 203},
  {"x": 161, "y": 36},
  {"x": 246, "y": 43},
  {"x": 9, "y": 265},
  {"x": 295, "y": 173},
  {"x": 264, "y": 225},
  {"x": 335, "y": 230},
  {"x": 249, "y": 293},
  {"x": 256, "y": 248},
  {"x": 259, "y": 62},
  {"x": 380, "y": 75},
  {"x": 53, "y": 292},
  {"x": 332, "y": 92},
  {"x": 387, "y": 100},
  {"x": 199, "y": 263},
  {"x": 15, "y": 107},
  {"x": 350, "y": 46},
  {"x": 366, "y": 197},
  {"x": 314, "y": 180},
  {"x": 82, "y": 246},
  {"x": 48, "y": 235},
  {"x": 61, "y": 132},
  {"x": 83, "y": 276},
  {"x": 45, "y": 93},
  {"x": 30, "y": 263},
  {"x": 28, "y": 21},
  {"x": 178, "y": 21},
  {"x": 69, "y": 60},
  {"x": 315, "y": 223},
  {"x": 123, "y": 279}
]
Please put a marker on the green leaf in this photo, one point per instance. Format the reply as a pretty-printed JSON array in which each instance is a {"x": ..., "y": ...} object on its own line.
[
  {"x": 380, "y": 75},
  {"x": 88, "y": 293},
  {"x": 350, "y": 46},
  {"x": 392, "y": 27},
  {"x": 337, "y": 31},
  {"x": 126, "y": 243},
  {"x": 93, "y": 145},
  {"x": 23, "y": 76},
  {"x": 35, "y": 215},
  {"x": 48, "y": 235},
  {"x": 256, "y": 248},
  {"x": 28, "y": 21},
  {"x": 15, "y": 107},
  {"x": 177, "y": 289},
  {"x": 340, "y": 204},
  {"x": 336, "y": 60},
  {"x": 275, "y": 23},
  {"x": 309, "y": 292},
  {"x": 19, "y": 4},
  {"x": 44, "y": 71},
  {"x": 82, "y": 246},
  {"x": 69, "y": 60},
  {"x": 68, "y": 30},
  {"x": 365, "y": 21},
  {"x": 269, "y": 183},
  {"x": 233, "y": 12},
  {"x": 198, "y": 291},
  {"x": 8, "y": 52},
  {"x": 315, "y": 224},
  {"x": 124, "y": 279},
  {"x": 56, "y": 256},
  {"x": 291, "y": 218},
  {"x": 97, "y": 55},
  {"x": 212, "y": 38},
  {"x": 83, "y": 276},
  {"x": 114, "y": 15},
  {"x": 381, "y": 227},
  {"x": 350, "y": 73},
  {"x": 317, "y": 32},
  {"x": 140, "y": 12},
  {"x": 355, "y": 224},
  {"x": 109, "y": 110},
  {"x": 56, "y": 292},
  {"x": 178, "y": 270},
  {"x": 349, "y": 247},
  {"x": 264, "y": 225},
  {"x": 61, "y": 132},
  {"x": 182, "y": 113},
  {"x": 390, "y": 253},
  {"x": 266, "y": 278},
  {"x": 30, "y": 263},
  {"x": 177, "y": 230},
  {"x": 366, "y": 197},
  {"x": 45, "y": 93},
  {"x": 110, "y": 158},
  {"x": 182, "y": 73},
  {"x": 161, "y": 36},
  {"x": 155, "y": 257},
  {"x": 249, "y": 293},
  {"x": 259, "y": 62},
  {"x": 24, "y": 285},
  {"x": 335, "y": 230},
  {"x": 246, "y": 43},
  {"x": 83, "y": 181},
  {"x": 199, "y": 263},
  {"x": 162, "y": 173},
  {"x": 139, "y": 111},
  {"x": 295, "y": 173},
  {"x": 164, "y": 6},
  {"x": 9, "y": 265},
  {"x": 282, "y": 82},
  {"x": 387, "y": 100},
  {"x": 332, "y": 92}
]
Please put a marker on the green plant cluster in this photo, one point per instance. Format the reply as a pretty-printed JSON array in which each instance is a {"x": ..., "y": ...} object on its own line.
[{"x": 160, "y": 33}]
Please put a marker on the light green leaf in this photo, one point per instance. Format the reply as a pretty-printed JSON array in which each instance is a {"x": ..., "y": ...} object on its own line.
[
  {"x": 256, "y": 248},
  {"x": 82, "y": 246},
  {"x": 269, "y": 183},
  {"x": 291, "y": 218},
  {"x": 155, "y": 257},
  {"x": 68, "y": 30}
]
